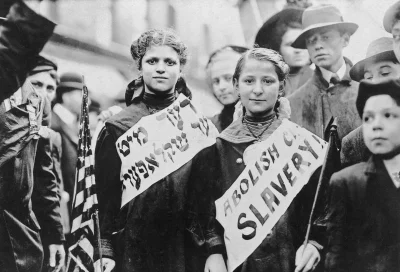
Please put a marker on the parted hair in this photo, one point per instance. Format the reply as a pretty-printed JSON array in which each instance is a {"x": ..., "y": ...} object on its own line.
[
  {"x": 263, "y": 54},
  {"x": 158, "y": 37}
]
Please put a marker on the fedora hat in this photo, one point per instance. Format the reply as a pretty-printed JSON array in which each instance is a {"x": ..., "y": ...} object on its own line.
[
  {"x": 266, "y": 35},
  {"x": 379, "y": 50},
  {"x": 319, "y": 17},
  {"x": 390, "y": 16}
]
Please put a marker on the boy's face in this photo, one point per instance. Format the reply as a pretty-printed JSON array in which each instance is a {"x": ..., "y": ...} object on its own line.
[
  {"x": 377, "y": 70},
  {"x": 325, "y": 47},
  {"x": 396, "y": 39},
  {"x": 381, "y": 125}
]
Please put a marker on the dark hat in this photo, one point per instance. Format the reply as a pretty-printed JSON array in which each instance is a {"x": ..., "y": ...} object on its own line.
[
  {"x": 42, "y": 64},
  {"x": 267, "y": 32},
  {"x": 390, "y": 16},
  {"x": 322, "y": 16},
  {"x": 379, "y": 50},
  {"x": 367, "y": 89},
  {"x": 70, "y": 81}
]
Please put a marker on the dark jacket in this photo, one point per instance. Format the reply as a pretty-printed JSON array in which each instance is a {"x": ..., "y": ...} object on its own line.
[
  {"x": 364, "y": 220},
  {"x": 298, "y": 79},
  {"x": 315, "y": 103},
  {"x": 159, "y": 229},
  {"x": 354, "y": 149},
  {"x": 21, "y": 38},
  {"x": 277, "y": 251},
  {"x": 69, "y": 139},
  {"x": 224, "y": 118},
  {"x": 46, "y": 194}
]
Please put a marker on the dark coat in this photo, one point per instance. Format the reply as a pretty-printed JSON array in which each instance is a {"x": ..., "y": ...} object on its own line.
[
  {"x": 354, "y": 149},
  {"x": 315, "y": 103},
  {"x": 224, "y": 118},
  {"x": 21, "y": 38},
  {"x": 278, "y": 250},
  {"x": 159, "y": 229},
  {"x": 364, "y": 220},
  {"x": 69, "y": 139},
  {"x": 296, "y": 80}
]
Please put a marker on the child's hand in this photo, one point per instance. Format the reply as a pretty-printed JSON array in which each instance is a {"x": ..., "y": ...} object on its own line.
[
  {"x": 215, "y": 263},
  {"x": 308, "y": 260}
]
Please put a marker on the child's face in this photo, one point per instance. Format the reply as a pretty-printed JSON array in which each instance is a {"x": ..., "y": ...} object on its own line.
[
  {"x": 381, "y": 125},
  {"x": 258, "y": 87}
]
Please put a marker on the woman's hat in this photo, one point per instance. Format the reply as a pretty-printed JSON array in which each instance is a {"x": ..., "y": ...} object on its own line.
[
  {"x": 378, "y": 50},
  {"x": 367, "y": 89},
  {"x": 390, "y": 16},
  {"x": 267, "y": 31},
  {"x": 321, "y": 16}
]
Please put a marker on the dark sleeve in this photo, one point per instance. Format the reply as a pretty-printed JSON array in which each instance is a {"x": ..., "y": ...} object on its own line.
[
  {"x": 336, "y": 232},
  {"x": 46, "y": 190},
  {"x": 22, "y": 37},
  {"x": 202, "y": 194},
  {"x": 107, "y": 171},
  {"x": 302, "y": 206}
]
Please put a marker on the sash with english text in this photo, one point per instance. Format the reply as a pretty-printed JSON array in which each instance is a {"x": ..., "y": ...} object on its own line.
[
  {"x": 276, "y": 171},
  {"x": 161, "y": 143}
]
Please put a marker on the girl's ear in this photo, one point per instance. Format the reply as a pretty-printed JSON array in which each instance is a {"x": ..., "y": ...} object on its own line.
[{"x": 236, "y": 84}]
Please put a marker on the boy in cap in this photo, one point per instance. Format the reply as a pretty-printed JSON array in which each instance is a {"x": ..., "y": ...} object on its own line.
[
  {"x": 364, "y": 201},
  {"x": 46, "y": 197},
  {"x": 65, "y": 118},
  {"x": 380, "y": 63},
  {"x": 330, "y": 92}
]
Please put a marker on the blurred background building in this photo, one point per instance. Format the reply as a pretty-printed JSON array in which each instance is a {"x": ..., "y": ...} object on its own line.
[{"x": 93, "y": 36}]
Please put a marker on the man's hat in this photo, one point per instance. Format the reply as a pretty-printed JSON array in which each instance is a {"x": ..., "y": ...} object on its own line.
[
  {"x": 321, "y": 16},
  {"x": 390, "y": 16},
  {"x": 367, "y": 89},
  {"x": 378, "y": 50},
  {"x": 266, "y": 35},
  {"x": 69, "y": 81}
]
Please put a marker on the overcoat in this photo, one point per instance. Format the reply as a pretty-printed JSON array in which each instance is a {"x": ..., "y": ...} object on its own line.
[
  {"x": 160, "y": 229},
  {"x": 22, "y": 36},
  {"x": 354, "y": 149},
  {"x": 277, "y": 252},
  {"x": 363, "y": 219},
  {"x": 69, "y": 139},
  {"x": 298, "y": 79},
  {"x": 315, "y": 103}
]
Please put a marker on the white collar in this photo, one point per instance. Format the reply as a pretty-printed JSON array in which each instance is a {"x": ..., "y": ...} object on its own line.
[
  {"x": 327, "y": 75},
  {"x": 65, "y": 114}
]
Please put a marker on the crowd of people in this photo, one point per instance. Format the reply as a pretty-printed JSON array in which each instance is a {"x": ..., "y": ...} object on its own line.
[{"x": 295, "y": 71}]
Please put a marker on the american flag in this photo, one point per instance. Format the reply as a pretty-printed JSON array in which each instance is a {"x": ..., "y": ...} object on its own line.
[{"x": 84, "y": 230}]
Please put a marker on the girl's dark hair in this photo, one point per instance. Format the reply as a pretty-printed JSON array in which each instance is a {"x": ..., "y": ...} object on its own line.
[
  {"x": 275, "y": 40},
  {"x": 158, "y": 37}
]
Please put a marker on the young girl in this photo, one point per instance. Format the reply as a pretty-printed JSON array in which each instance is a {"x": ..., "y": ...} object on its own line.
[
  {"x": 364, "y": 217},
  {"x": 259, "y": 79},
  {"x": 220, "y": 68},
  {"x": 156, "y": 230}
]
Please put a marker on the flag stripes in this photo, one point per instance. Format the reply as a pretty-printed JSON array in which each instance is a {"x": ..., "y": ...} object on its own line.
[{"x": 84, "y": 206}]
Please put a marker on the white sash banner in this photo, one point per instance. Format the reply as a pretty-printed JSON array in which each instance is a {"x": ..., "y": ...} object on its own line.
[
  {"x": 161, "y": 143},
  {"x": 276, "y": 170}
]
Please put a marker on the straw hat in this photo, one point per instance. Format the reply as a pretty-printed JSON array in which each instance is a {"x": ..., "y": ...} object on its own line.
[
  {"x": 378, "y": 50},
  {"x": 390, "y": 16},
  {"x": 322, "y": 16}
]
